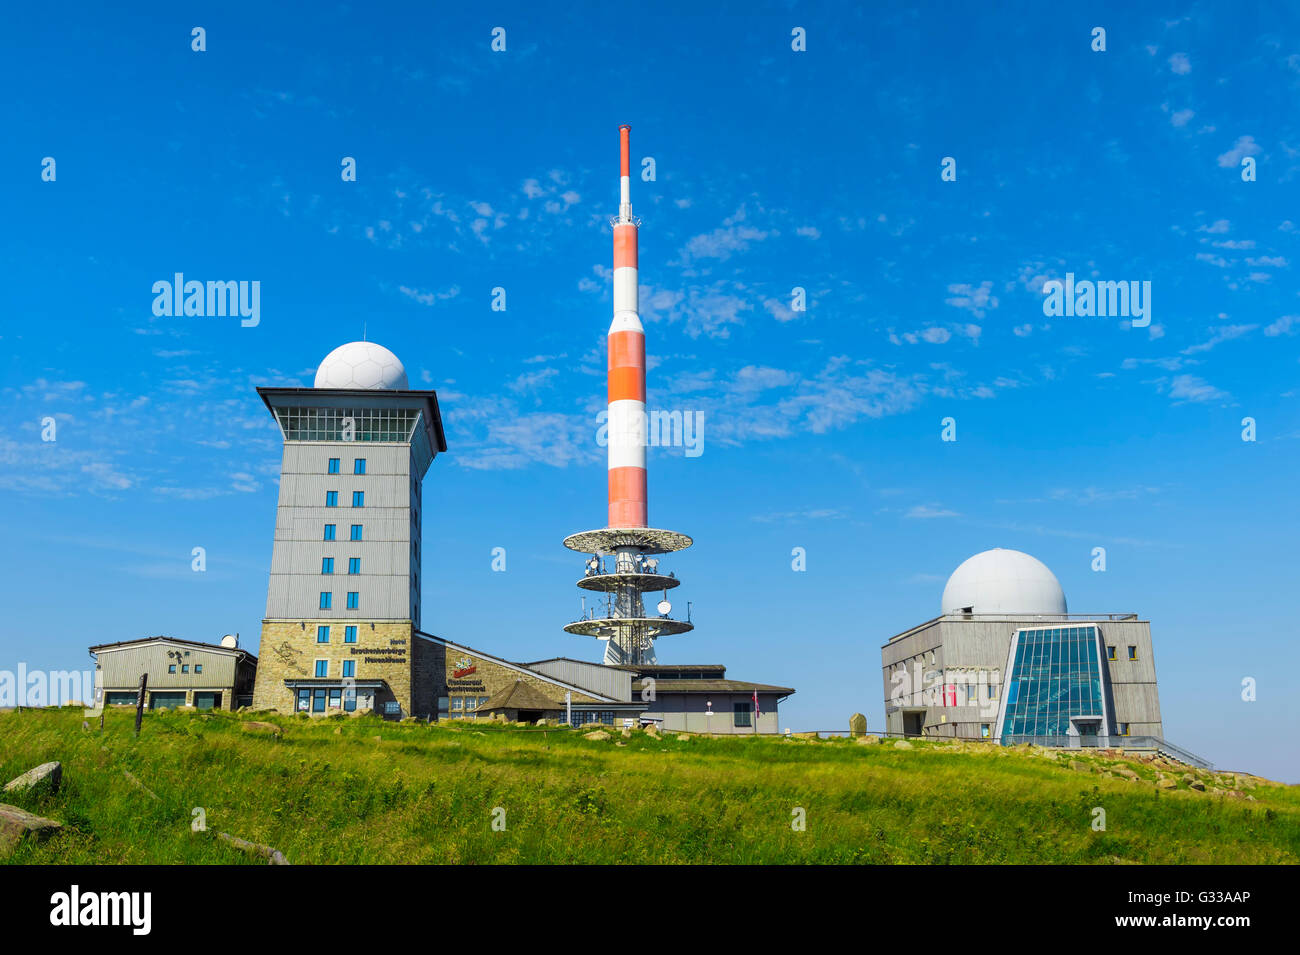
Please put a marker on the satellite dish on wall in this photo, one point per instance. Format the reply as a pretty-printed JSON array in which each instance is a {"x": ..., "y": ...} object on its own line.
[{"x": 230, "y": 641}]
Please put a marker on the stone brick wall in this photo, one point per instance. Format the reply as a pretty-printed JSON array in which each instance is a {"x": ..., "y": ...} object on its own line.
[
  {"x": 289, "y": 651},
  {"x": 458, "y": 672}
]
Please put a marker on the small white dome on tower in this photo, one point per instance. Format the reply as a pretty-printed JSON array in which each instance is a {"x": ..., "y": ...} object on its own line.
[
  {"x": 1003, "y": 581},
  {"x": 361, "y": 365}
]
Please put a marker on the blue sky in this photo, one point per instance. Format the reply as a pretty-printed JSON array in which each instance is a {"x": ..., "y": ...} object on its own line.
[{"x": 775, "y": 169}]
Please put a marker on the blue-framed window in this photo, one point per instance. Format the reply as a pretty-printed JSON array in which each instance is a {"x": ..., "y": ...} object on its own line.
[
  {"x": 322, "y": 668},
  {"x": 334, "y": 466},
  {"x": 354, "y": 600},
  {"x": 329, "y": 531},
  {"x": 356, "y": 532},
  {"x": 322, "y": 634},
  {"x": 358, "y": 498},
  {"x": 354, "y": 565},
  {"x": 350, "y": 634},
  {"x": 350, "y": 668},
  {"x": 359, "y": 466},
  {"x": 326, "y": 600},
  {"x": 331, "y": 498},
  {"x": 327, "y": 565}
]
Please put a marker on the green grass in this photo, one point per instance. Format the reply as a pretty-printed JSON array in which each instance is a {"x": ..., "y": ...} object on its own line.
[{"x": 427, "y": 794}]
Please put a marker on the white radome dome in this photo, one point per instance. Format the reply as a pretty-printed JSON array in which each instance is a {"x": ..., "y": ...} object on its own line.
[
  {"x": 1003, "y": 581},
  {"x": 361, "y": 365}
]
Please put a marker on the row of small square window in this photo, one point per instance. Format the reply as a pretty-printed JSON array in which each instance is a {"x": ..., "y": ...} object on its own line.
[
  {"x": 327, "y": 600},
  {"x": 358, "y": 466},
  {"x": 185, "y": 668},
  {"x": 349, "y": 634},
  {"x": 332, "y": 498},
  {"x": 349, "y": 668},
  {"x": 331, "y": 529},
  {"x": 1132, "y": 652},
  {"x": 327, "y": 565}
]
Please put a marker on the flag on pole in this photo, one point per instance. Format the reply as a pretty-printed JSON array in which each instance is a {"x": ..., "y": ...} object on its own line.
[{"x": 757, "y": 711}]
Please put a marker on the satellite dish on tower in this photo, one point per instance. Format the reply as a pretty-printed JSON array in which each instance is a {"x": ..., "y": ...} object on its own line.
[
  {"x": 230, "y": 641},
  {"x": 665, "y": 606}
]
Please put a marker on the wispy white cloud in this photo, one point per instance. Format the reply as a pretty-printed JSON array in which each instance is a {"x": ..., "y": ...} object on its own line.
[
  {"x": 1244, "y": 146},
  {"x": 976, "y": 300}
]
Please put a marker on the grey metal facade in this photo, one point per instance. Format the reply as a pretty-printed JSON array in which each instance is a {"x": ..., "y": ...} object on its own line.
[
  {"x": 387, "y": 586},
  {"x": 600, "y": 679},
  {"x": 181, "y": 666},
  {"x": 390, "y": 520},
  {"x": 945, "y": 677}
]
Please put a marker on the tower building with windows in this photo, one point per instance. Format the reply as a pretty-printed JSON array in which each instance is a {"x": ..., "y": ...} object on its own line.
[{"x": 343, "y": 603}]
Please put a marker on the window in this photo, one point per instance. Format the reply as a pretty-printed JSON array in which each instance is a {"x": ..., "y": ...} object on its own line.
[
  {"x": 349, "y": 634},
  {"x": 971, "y": 690},
  {"x": 326, "y": 600},
  {"x": 322, "y": 668},
  {"x": 984, "y": 731},
  {"x": 1132, "y": 653},
  {"x": 349, "y": 667},
  {"x": 322, "y": 634},
  {"x": 336, "y": 699},
  {"x": 359, "y": 466},
  {"x": 331, "y": 498},
  {"x": 993, "y": 691},
  {"x": 329, "y": 532},
  {"x": 185, "y": 668},
  {"x": 354, "y": 600},
  {"x": 742, "y": 713},
  {"x": 1123, "y": 729},
  {"x": 1110, "y": 653},
  {"x": 327, "y": 565},
  {"x": 457, "y": 704},
  {"x": 358, "y": 498},
  {"x": 334, "y": 466},
  {"x": 354, "y": 565},
  {"x": 198, "y": 668},
  {"x": 356, "y": 532},
  {"x": 327, "y": 424},
  {"x": 172, "y": 668}
]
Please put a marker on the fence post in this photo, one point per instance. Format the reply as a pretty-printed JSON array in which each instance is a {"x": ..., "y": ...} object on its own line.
[{"x": 139, "y": 702}]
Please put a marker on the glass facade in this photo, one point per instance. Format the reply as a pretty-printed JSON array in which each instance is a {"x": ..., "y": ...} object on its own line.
[
  {"x": 1056, "y": 675},
  {"x": 367, "y": 424}
]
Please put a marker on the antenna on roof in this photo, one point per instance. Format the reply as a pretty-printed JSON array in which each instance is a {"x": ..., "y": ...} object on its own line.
[{"x": 363, "y": 331}]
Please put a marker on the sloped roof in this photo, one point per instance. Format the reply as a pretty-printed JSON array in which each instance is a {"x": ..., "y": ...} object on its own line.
[
  {"x": 520, "y": 696},
  {"x": 714, "y": 686},
  {"x": 141, "y": 641}
]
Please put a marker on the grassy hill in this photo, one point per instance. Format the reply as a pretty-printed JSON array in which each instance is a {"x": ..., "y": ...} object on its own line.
[{"x": 358, "y": 790}]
